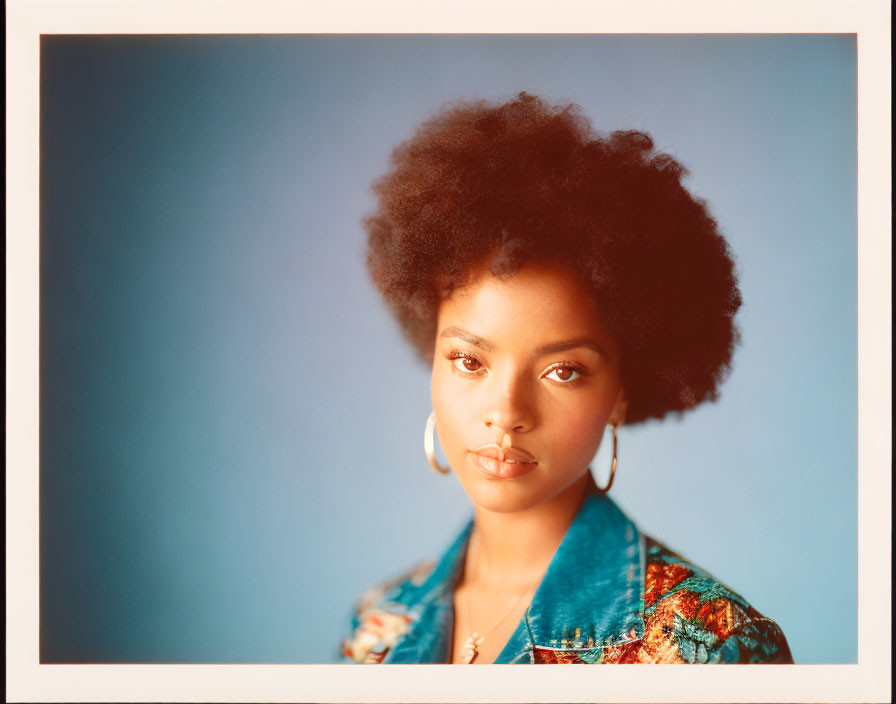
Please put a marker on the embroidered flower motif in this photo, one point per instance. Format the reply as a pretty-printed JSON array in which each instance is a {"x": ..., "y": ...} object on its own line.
[
  {"x": 378, "y": 632},
  {"x": 756, "y": 641},
  {"x": 721, "y": 616},
  {"x": 695, "y": 643},
  {"x": 661, "y": 578},
  {"x": 660, "y": 643},
  {"x": 624, "y": 654},
  {"x": 555, "y": 657}
]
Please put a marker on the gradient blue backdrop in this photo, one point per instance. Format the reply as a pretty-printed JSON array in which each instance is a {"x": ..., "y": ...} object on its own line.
[{"x": 230, "y": 422}]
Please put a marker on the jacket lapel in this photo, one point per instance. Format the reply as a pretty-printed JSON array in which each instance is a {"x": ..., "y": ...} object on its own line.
[{"x": 591, "y": 595}]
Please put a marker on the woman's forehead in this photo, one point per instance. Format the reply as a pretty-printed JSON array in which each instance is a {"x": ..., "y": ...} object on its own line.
[{"x": 539, "y": 305}]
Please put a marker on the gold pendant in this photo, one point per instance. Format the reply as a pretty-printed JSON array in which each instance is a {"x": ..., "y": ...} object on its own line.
[{"x": 472, "y": 648}]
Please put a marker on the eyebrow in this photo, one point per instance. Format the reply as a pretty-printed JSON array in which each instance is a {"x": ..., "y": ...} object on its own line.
[
  {"x": 474, "y": 340},
  {"x": 550, "y": 348},
  {"x": 564, "y": 345}
]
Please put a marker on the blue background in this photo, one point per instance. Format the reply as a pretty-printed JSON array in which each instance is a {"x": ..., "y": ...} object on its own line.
[{"x": 230, "y": 422}]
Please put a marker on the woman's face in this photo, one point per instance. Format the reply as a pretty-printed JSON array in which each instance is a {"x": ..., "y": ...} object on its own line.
[{"x": 525, "y": 378}]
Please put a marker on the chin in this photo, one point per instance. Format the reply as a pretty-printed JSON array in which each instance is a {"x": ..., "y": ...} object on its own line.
[
  {"x": 506, "y": 495},
  {"x": 501, "y": 504}
]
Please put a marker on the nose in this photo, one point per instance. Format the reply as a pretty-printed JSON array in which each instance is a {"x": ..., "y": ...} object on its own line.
[{"x": 509, "y": 408}]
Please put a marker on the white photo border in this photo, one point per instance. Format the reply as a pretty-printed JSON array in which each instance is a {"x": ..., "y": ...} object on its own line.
[{"x": 28, "y": 680}]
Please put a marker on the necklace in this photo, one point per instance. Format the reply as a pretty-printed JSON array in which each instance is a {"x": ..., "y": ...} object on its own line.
[{"x": 471, "y": 646}]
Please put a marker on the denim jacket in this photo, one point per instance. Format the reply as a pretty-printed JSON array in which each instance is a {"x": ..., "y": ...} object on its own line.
[{"x": 610, "y": 595}]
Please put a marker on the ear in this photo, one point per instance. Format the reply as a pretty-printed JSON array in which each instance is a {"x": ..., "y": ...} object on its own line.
[{"x": 620, "y": 407}]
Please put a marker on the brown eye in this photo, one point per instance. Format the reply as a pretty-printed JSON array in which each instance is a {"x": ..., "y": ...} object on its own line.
[
  {"x": 564, "y": 374},
  {"x": 468, "y": 365}
]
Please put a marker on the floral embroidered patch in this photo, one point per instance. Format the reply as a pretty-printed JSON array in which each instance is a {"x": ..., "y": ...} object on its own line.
[
  {"x": 661, "y": 578},
  {"x": 378, "y": 632}
]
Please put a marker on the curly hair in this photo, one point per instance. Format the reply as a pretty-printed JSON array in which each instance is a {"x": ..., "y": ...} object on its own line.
[{"x": 524, "y": 179}]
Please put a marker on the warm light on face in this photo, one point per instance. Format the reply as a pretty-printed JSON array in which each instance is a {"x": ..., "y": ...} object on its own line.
[{"x": 525, "y": 378}]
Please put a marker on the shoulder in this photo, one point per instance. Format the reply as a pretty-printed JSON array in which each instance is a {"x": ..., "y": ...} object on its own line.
[
  {"x": 690, "y": 617},
  {"x": 398, "y": 589},
  {"x": 380, "y": 615}
]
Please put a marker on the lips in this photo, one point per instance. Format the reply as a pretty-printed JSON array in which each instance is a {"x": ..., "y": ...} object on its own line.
[{"x": 501, "y": 463}]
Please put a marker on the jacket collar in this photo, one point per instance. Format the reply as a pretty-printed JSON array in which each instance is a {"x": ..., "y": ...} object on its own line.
[{"x": 590, "y": 597}]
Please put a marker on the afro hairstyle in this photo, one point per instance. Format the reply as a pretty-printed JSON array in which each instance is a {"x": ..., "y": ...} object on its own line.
[{"x": 503, "y": 183}]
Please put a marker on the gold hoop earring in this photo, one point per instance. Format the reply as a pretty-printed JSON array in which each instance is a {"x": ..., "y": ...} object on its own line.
[
  {"x": 604, "y": 490},
  {"x": 429, "y": 445}
]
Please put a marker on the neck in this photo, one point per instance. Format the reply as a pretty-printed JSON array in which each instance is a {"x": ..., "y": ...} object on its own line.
[{"x": 512, "y": 551}]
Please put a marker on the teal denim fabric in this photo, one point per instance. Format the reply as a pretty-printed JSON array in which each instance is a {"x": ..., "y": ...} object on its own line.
[{"x": 589, "y": 607}]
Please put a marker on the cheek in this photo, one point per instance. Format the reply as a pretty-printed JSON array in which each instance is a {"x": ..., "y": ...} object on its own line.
[{"x": 578, "y": 427}]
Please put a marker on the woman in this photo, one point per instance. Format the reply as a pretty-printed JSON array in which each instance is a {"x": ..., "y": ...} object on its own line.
[{"x": 560, "y": 282}]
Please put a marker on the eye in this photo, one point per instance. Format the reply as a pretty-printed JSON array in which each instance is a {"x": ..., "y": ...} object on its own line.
[
  {"x": 466, "y": 364},
  {"x": 564, "y": 373}
]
